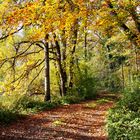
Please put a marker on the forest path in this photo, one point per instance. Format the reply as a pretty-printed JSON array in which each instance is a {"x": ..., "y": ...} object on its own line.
[{"x": 83, "y": 121}]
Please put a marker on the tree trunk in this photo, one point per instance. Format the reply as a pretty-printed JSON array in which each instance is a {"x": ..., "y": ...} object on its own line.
[
  {"x": 62, "y": 70},
  {"x": 85, "y": 51},
  {"x": 123, "y": 77},
  {"x": 72, "y": 59},
  {"x": 47, "y": 71}
]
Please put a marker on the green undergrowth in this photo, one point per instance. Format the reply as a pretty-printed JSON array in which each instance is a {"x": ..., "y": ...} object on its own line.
[
  {"x": 124, "y": 120},
  {"x": 7, "y": 116},
  {"x": 103, "y": 101},
  {"x": 13, "y": 106},
  {"x": 94, "y": 104}
]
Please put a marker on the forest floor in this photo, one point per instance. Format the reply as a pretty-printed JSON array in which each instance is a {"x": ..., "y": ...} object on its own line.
[{"x": 82, "y": 121}]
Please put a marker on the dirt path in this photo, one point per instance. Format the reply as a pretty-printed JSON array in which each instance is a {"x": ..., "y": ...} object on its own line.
[{"x": 70, "y": 122}]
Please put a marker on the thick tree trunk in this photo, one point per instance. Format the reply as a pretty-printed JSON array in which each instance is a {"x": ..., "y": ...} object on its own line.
[
  {"x": 62, "y": 70},
  {"x": 72, "y": 59},
  {"x": 47, "y": 72},
  {"x": 63, "y": 79}
]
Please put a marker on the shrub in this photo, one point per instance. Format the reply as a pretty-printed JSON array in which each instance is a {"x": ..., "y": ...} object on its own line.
[
  {"x": 124, "y": 120},
  {"x": 7, "y": 116},
  {"x": 86, "y": 86},
  {"x": 123, "y": 125},
  {"x": 29, "y": 104},
  {"x": 103, "y": 101},
  {"x": 131, "y": 100},
  {"x": 70, "y": 99}
]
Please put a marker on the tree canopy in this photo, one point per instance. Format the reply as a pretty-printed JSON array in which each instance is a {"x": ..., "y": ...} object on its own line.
[{"x": 61, "y": 37}]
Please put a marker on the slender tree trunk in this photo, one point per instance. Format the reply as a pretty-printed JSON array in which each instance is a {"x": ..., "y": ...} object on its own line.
[
  {"x": 58, "y": 77},
  {"x": 85, "y": 51},
  {"x": 129, "y": 76},
  {"x": 72, "y": 68},
  {"x": 85, "y": 41},
  {"x": 123, "y": 77},
  {"x": 47, "y": 71},
  {"x": 111, "y": 68},
  {"x": 136, "y": 59}
]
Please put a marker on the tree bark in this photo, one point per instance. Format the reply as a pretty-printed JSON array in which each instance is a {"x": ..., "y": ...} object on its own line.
[
  {"x": 123, "y": 77},
  {"x": 47, "y": 70},
  {"x": 62, "y": 70},
  {"x": 72, "y": 59},
  {"x": 85, "y": 51}
]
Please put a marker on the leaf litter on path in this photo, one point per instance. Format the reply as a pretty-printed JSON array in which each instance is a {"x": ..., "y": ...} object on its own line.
[{"x": 69, "y": 122}]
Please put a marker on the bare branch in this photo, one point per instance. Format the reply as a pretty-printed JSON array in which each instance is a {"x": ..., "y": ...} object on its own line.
[
  {"x": 35, "y": 77},
  {"x": 11, "y": 33}
]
